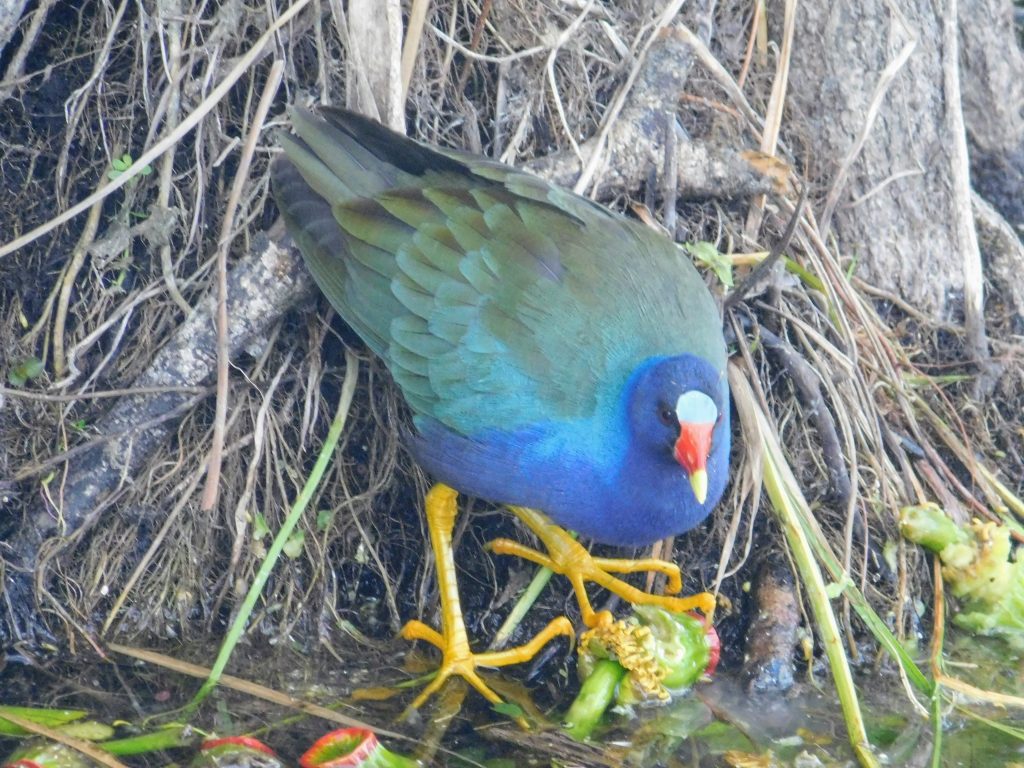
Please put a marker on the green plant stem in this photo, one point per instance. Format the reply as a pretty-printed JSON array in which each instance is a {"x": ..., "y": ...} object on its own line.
[
  {"x": 348, "y": 389},
  {"x": 935, "y": 652},
  {"x": 523, "y": 605},
  {"x": 858, "y": 602},
  {"x": 936, "y": 723},
  {"x": 595, "y": 696},
  {"x": 792, "y": 511},
  {"x": 166, "y": 738},
  {"x": 863, "y": 609}
]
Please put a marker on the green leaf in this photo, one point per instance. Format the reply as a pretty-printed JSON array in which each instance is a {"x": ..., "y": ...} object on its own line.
[
  {"x": 835, "y": 589},
  {"x": 47, "y": 717},
  {"x": 24, "y": 371},
  {"x": 508, "y": 709},
  {"x": 293, "y": 547},
  {"x": 324, "y": 518},
  {"x": 891, "y": 553},
  {"x": 260, "y": 529},
  {"x": 121, "y": 164},
  {"x": 713, "y": 259},
  {"x": 88, "y": 730}
]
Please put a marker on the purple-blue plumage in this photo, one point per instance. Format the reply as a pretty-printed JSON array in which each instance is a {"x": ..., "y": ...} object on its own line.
[{"x": 611, "y": 477}]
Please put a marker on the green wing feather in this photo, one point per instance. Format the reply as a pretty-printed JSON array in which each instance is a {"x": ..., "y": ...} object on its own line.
[{"x": 496, "y": 299}]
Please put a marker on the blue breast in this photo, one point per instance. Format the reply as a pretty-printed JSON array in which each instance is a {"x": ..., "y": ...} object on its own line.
[{"x": 587, "y": 475}]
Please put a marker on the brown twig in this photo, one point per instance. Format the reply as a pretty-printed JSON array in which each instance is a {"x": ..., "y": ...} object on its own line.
[
  {"x": 71, "y": 453},
  {"x": 761, "y": 270},
  {"x": 67, "y": 284},
  {"x": 249, "y": 688},
  {"x": 241, "y": 176},
  {"x": 808, "y": 387},
  {"x": 45, "y": 397},
  {"x": 413, "y": 35},
  {"x": 257, "y": 51}
]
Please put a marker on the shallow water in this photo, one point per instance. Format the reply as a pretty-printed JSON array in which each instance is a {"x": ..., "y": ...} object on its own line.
[{"x": 716, "y": 724}]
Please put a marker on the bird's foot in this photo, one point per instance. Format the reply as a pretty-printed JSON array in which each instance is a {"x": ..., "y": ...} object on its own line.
[
  {"x": 452, "y": 641},
  {"x": 459, "y": 660},
  {"x": 571, "y": 559}
]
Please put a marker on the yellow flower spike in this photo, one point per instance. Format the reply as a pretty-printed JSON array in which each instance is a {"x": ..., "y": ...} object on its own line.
[{"x": 630, "y": 643}]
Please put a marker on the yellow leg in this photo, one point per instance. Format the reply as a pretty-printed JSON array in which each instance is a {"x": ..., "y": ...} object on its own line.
[
  {"x": 571, "y": 559},
  {"x": 458, "y": 659}
]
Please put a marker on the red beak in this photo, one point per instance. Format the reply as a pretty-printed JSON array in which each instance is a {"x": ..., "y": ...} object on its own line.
[{"x": 691, "y": 451}]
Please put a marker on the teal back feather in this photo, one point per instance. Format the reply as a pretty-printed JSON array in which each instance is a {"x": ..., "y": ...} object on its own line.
[{"x": 497, "y": 300}]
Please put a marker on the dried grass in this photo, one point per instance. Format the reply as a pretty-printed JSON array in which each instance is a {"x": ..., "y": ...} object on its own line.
[{"x": 97, "y": 297}]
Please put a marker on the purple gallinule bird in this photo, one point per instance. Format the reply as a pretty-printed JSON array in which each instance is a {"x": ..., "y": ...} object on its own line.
[{"x": 558, "y": 358}]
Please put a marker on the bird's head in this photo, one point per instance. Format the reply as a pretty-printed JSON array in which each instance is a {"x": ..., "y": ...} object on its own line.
[{"x": 676, "y": 413}]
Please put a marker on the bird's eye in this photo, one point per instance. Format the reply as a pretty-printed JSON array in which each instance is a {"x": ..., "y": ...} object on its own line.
[{"x": 667, "y": 416}]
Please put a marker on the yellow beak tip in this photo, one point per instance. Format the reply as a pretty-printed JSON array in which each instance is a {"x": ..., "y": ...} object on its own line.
[{"x": 699, "y": 483}]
